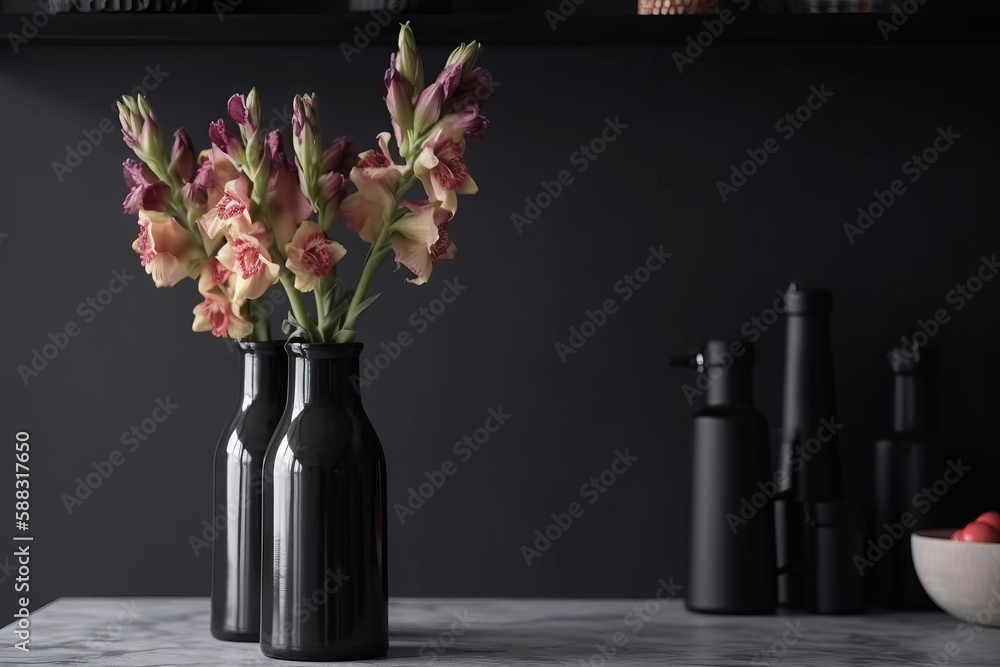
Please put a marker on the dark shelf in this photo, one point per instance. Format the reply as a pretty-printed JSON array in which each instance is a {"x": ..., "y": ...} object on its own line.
[{"x": 666, "y": 31}]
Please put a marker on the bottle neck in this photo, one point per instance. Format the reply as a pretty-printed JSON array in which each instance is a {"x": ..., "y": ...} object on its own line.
[
  {"x": 263, "y": 372},
  {"x": 914, "y": 405},
  {"x": 328, "y": 374},
  {"x": 731, "y": 386}
]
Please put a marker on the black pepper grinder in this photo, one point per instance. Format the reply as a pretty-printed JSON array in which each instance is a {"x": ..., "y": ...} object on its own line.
[
  {"x": 906, "y": 462},
  {"x": 731, "y": 564},
  {"x": 817, "y": 532}
]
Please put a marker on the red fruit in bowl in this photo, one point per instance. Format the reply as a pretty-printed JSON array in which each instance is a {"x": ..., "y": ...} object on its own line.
[
  {"x": 990, "y": 518},
  {"x": 979, "y": 532}
]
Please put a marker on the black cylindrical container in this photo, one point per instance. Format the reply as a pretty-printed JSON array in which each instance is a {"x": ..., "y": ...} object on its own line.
[
  {"x": 809, "y": 454},
  {"x": 906, "y": 462},
  {"x": 325, "y": 593},
  {"x": 731, "y": 566},
  {"x": 239, "y": 460}
]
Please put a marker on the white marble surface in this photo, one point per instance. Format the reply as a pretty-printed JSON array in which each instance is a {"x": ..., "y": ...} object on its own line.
[{"x": 174, "y": 631}]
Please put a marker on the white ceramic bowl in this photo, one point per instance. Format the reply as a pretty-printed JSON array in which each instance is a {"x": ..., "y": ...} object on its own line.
[{"x": 963, "y": 578}]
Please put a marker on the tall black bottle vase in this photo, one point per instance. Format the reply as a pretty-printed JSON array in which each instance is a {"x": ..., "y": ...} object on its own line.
[
  {"x": 325, "y": 586},
  {"x": 238, "y": 486}
]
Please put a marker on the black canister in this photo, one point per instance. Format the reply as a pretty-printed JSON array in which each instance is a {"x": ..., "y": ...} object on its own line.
[{"x": 731, "y": 564}]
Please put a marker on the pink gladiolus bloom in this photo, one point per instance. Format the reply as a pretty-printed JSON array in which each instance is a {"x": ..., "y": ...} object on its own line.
[
  {"x": 376, "y": 177},
  {"x": 220, "y": 316},
  {"x": 233, "y": 211},
  {"x": 311, "y": 255},
  {"x": 146, "y": 191},
  {"x": 165, "y": 248},
  {"x": 362, "y": 216},
  {"x": 246, "y": 255},
  {"x": 441, "y": 168},
  {"x": 215, "y": 277},
  {"x": 420, "y": 239},
  {"x": 288, "y": 206}
]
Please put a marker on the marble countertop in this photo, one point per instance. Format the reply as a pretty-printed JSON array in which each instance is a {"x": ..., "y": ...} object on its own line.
[{"x": 493, "y": 632}]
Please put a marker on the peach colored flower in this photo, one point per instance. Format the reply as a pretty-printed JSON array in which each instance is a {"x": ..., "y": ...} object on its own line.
[
  {"x": 165, "y": 248},
  {"x": 246, "y": 255},
  {"x": 377, "y": 178},
  {"x": 362, "y": 216},
  {"x": 215, "y": 277},
  {"x": 232, "y": 213},
  {"x": 420, "y": 238},
  {"x": 311, "y": 255},
  {"x": 441, "y": 168},
  {"x": 220, "y": 316}
]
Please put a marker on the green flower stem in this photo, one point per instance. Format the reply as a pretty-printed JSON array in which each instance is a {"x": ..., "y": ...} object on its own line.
[
  {"x": 261, "y": 325},
  {"x": 298, "y": 306},
  {"x": 376, "y": 255}
]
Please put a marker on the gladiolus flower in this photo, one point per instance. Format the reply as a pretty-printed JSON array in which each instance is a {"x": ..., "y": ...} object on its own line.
[
  {"x": 165, "y": 248},
  {"x": 399, "y": 96},
  {"x": 362, "y": 216},
  {"x": 432, "y": 100},
  {"x": 145, "y": 190},
  {"x": 233, "y": 211},
  {"x": 221, "y": 316},
  {"x": 182, "y": 165},
  {"x": 246, "y": 255},
  {"x": 226, "y": 141},
  {"x": 287, "y": 205},
  {"x": 339, "y": 157},
  {"x": 473, "y": 88},
  {"x": 237, "y": 108},
  {"x": 441, "y": 168},
  {"x": 407, "y": 60},
  {"x": 311, "y": 255},
  {"x": 376, "y": 175},
  {"x": 420, "y": 239},
  {"x": 215, "y": 277},
  {"x": 140, "y": 127},
  {"x": 377, "y": 178},
  {"x": 466, "y": 124}
]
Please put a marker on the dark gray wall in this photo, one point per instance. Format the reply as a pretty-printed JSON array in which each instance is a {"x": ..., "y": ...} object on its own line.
[{"x": 494, "y": 347}]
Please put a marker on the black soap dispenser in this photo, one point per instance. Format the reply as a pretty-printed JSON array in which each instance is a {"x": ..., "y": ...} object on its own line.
[
  {"x": 731, "y": 564},
  {"x": 907, "y": 462}
]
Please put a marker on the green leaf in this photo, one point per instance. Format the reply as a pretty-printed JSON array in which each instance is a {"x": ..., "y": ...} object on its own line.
[
  {"x": 364, "y": 304},
  {"x": 291, "y": 328}
]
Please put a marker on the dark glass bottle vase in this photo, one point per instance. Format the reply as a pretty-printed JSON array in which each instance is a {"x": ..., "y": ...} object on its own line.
[
  {"x": 239, "y": 461},
  {"x": 325, "y": 593}
]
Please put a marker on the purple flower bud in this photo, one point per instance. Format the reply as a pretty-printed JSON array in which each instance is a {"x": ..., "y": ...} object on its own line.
[
  {"x": 145, "y": 191},
  {"x": 276, "y": 149},
  {"x": 433, "y": 99},
  {"x": 238, "y": 109},
  {"x": 224, "y": 140},
  {"x": 339, "y": 157},
  {"x": 196, "y": 192},
  {"x": 331, "y": 185},
  {"x": 475, "y": 86},
  {"x": 182, "y": 161}
]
